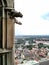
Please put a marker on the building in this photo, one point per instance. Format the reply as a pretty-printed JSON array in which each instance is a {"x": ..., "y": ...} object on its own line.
[{"x": 7, "y": 20}]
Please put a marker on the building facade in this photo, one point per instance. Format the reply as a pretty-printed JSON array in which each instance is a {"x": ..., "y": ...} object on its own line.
[{"x": 7, "y": 20}]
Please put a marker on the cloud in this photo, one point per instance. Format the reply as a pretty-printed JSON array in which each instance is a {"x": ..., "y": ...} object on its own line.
[
  {"x": 35, "y": 17},
  {"x": 45, "y": 17}
]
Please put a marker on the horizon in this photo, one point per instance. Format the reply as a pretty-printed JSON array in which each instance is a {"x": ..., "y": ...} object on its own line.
[{"x": 32, "y": 36}]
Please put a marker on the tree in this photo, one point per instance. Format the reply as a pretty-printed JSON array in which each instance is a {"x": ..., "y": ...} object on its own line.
[{"x": 40, "y": 45}]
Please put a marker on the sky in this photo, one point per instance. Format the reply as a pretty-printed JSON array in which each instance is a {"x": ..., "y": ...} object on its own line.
[{"x": 35, "y": 19}]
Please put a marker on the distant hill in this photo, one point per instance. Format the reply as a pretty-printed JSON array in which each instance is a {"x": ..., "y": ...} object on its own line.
[{"x": 32, "y": 36}]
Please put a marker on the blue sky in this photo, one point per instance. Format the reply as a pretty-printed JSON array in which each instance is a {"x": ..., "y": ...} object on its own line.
[{"x": 35, "y": 19}]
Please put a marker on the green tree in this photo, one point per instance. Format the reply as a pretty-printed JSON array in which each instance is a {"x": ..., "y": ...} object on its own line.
[{"x": 40, "y": 45}]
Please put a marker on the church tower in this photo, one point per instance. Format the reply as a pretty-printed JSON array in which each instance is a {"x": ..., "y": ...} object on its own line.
[{"x": 7, "y": 19}]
